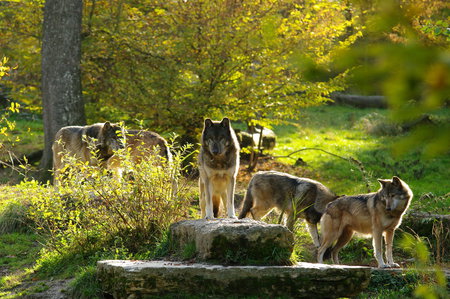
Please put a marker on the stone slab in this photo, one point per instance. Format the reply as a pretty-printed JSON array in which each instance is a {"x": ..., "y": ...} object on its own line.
[
  {"x": 233, "y": 241},
  {"x": 147, "y": 279}
]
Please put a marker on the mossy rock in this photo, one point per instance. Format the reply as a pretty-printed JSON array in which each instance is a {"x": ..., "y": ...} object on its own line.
[{"x": 232, "y": 242}]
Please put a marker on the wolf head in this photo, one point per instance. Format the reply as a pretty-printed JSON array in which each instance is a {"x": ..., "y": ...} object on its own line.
[
  {"x": 217, "y": 136},
  {"x": 396, "y": 194},
  {"x": 111, "y": 137}
]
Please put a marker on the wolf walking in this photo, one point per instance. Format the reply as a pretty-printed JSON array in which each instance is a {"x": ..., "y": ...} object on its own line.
[
  {"x": 378, "y": 213},
  {"x": 293, "y": 196},
  {"x": 218, "y": 163}
]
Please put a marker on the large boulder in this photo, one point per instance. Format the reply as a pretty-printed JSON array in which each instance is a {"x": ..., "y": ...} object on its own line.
[
  {"x": 232, "y": 241},
  {"x": 144, "y": 279}
]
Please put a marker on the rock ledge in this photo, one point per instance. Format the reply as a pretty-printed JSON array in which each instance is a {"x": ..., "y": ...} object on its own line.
[{"x": 138, "y": 279}]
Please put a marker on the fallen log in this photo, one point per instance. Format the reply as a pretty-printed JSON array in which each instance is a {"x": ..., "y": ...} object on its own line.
[{"x": 359, "y": 101}]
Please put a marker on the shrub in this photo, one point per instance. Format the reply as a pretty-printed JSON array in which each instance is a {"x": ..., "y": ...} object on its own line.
[
  {"x": 378, "y": 125},
  {"x": 91, "y": 209}
]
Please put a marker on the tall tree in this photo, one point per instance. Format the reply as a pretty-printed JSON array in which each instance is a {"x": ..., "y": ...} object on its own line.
[{"x": 61, "y": 75}]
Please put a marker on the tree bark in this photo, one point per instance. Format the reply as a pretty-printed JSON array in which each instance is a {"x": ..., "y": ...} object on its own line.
[{"x": 61, "y": 75}]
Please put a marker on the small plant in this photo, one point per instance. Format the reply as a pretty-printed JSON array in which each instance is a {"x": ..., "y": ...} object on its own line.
[
  {"x": 378, "y": 125},
  {"x": 189, "y": 251},
  {"x": 85, "y": 285},
  {"x": 433, "y": 283}
]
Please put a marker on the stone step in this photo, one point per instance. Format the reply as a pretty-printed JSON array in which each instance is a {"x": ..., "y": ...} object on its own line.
[
  {"x": 232, "y": 241},
  {"x": 139, "y": 279}
]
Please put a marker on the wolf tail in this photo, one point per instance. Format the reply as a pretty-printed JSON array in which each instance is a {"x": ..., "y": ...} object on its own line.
[{"x": 247, "y": 205}]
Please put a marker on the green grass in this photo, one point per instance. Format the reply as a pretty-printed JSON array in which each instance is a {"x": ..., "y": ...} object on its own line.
[{"x": 18, "y": 250}]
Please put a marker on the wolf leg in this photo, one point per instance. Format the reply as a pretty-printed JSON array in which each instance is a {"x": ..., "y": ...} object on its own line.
[
  {"x": 208, "y": 199},
  {"x": 202, "y": 197},
  {"x": 343, "y": 239},
  {"x": 329, "y": 235},
  {"x": 389, "y": 239},
  {"x": 230, "y": 198},
  {"x": 258, "y": 212},
  {"x": 312, "y": 228},
  {"x": 377, "y": 246}
]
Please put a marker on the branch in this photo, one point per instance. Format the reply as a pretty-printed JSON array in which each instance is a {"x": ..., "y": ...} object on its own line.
[{"x": 351, "y": 160}]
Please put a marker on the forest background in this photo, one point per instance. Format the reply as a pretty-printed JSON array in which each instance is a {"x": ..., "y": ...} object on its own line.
[{"x": 166, "y": 65}]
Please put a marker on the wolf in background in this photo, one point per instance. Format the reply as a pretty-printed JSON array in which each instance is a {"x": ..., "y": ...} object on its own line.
[
  {"x": 218, "y": 164},
  {"x": 378, "y": 213},
  {"x": 75, "y": 140},
  {"x": 141, "y": 144},
  {"x": 293, "y": 196}
]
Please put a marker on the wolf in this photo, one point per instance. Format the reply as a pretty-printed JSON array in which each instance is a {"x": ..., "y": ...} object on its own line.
[
  {"x": 218, "y": 164},
  {"x": 378, "y": 213},
  {"x": 75, "y": 140},
  {"x": 293, "y": 196},
  {"x": 141, "y": 144}
]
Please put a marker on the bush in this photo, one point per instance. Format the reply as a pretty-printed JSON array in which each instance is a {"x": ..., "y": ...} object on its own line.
[
  {"x": 92, "y": 210},
  {"x": 378, "y": 125}
]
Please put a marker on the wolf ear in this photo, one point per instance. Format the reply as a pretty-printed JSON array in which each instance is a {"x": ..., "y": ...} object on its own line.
[
  {"x": 208, "y": 122},
  {"x": 225, "y": 122},
  {"x": 383, "y": 183},
  {"x": 396, "y": 181},
  {"x": 107, "y": 126}
]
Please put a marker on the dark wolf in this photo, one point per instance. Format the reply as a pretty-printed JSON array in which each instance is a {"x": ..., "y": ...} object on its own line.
[
  {"x": 218, "y": 164},
  {"x": 378, "y": 213},
  {"x": 76, "y": 140},
  {"x": 293, "y": 196}
]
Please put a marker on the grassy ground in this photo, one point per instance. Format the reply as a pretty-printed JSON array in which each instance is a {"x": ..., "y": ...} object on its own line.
[{"x": 361, "y": 134}]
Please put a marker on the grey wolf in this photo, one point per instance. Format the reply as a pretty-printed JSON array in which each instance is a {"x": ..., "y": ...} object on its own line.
[
  {"x": 378, "y": 213},
  {"x": 76, "y": 140},
  {"x": 141, "y": 144},
  {"x": 218, "y": 164},
  {"x": 293, "y": 196}
]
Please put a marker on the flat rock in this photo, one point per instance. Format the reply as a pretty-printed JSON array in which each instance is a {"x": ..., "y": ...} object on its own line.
[
  {"x": 232, "y": 241},
  {"x": 146, "y": 279}
]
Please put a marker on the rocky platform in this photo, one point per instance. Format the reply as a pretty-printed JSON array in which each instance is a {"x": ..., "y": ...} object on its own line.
[{"x": 144, "y": 279}]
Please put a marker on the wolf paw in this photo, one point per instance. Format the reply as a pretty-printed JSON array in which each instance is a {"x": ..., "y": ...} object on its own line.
[
  {"x": 394, "y": 265},
  {"x": 233, "y": 217}
]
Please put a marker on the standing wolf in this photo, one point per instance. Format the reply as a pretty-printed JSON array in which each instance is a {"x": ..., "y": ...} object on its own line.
[
  {"x": 296, "y": 197},
  {"x": 75, "y": 140},
  {"x": 378, "y": 213},
  {"x": 218, "y": 164}
]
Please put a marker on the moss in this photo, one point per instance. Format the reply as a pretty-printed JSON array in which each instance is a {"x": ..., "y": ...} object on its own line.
[
  {"x": 189, "y": 251},
  {"x": 244, "y": 252}
]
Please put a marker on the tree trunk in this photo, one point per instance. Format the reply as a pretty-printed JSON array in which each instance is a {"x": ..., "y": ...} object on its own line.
[{"x": 61, "y": 76}]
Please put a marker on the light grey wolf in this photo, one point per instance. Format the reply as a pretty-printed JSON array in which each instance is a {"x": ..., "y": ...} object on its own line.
[
  {"x": 141, "y": 144},
  {"x": 293, "y": 196},
  {"x": 75, "y": 140},
  {"x": 218, "y": 164},
  {"x": 378, "y": 213}
]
